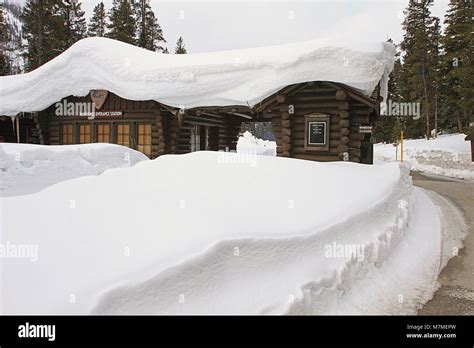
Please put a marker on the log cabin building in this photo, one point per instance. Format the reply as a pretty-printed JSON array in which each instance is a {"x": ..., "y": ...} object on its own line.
[{"x": 319, "y": 120}]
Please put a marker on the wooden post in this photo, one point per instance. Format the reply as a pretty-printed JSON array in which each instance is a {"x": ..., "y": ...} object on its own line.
[
  {"x": 161, "y": 140},
  {"x": 285, "y": 129},
  {"x": 401, "y": 146},
  {"x": 17, "y": 119}
]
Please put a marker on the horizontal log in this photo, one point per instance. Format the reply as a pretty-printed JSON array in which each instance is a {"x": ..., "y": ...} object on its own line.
[
  {"x": 301, "y": 143},
  {"x": 357, "y": 136},
  {"x": 354, "y": 159},
  {"x": 301, "y": 150},
  {"x": 345, "y": 139},
  {"x": 354, "y": 152},
  {"x": 341, "y": 95},
  {"x": 318, "y": 158},
  {"x": 336, "y": 104},
  {"x": 286, "y": 147},
  {"x": 355, "y": 144},
  {"x": 344, "y": 123},
  {"x": 286, "y": 131},
  {"x": 343, "y": 114},
  {"x": 335, "y": 128},
  {"x": 342, "y": 148},
  {"x": 360, "y": 119},
  {"x": 285, "y": 123},
  {"x": 345, "y": 131},
  {"x": 285, "y": 139}
]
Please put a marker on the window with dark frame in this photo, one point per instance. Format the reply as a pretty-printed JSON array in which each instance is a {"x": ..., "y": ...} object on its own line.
[
  {"x": 144, "y": 139},
  {"x": 123, "y": 134},
  {"x": 103, "y": 133},
  {"x": 84, "y": 133},
  {"x": 67, "y": 134}
]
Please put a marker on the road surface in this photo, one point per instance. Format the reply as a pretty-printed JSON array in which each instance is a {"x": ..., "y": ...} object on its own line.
[{"x": 456, "y": 294}]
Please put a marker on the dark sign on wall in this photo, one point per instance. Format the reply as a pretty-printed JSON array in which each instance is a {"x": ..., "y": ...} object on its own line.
[{"x": 316, "y": 132}]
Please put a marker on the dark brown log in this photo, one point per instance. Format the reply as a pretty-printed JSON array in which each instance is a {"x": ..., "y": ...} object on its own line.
[
  {"x": 360, "y": 119},
  {"x": 344, "y": 123},
  {"x": 285, "y": 123},
  {"x": 280, "y": 98},
  {"x": 286, "y": 131},
  {"x": 342, "y": 148},
  {"x": 343, "y": 114},
  {"x": 345, "y": 140},
  {"x": 335, "y": 128},
  {"x": 301, "y": 150},
  {"x": 345, "y": 131},
  {"x": 341, "y": 95},
  {"x": 357, "y": 136},
  {"x": 354, "y": 159},
  {"x": 300, "y": 143},
  {"x": 355, "y": 144},
  {"x": 315, "y": 157},
  {"x": 354, "y": 152}
]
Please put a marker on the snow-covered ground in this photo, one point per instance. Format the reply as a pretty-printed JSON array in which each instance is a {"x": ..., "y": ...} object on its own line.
[
  {"x": 26, "y": 168},
  {"x": 446, "y": 155},
  {"x": 212, "y": 232}
]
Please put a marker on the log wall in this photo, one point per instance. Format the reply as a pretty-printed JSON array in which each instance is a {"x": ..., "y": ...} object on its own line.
[{"x": 346, "y": 114}]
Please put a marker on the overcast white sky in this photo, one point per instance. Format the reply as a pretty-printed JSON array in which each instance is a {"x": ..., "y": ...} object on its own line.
[{"x": 232, "y": 24}]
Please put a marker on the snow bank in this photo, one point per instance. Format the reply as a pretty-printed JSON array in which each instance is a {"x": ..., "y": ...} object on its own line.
[
  {"x": 26, "y": 168},
  {"x": 249, "y": 144},
  {"x": 446, "y": 155},
  {"x": 202, "y": 233},
  {"x": 238, "y": 77}
]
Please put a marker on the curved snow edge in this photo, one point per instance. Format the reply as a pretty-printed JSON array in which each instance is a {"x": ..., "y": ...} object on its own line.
[{"x": 160, "y": 293}]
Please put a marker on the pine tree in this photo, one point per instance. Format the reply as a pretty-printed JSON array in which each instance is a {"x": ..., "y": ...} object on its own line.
[
  {"x": 388, "y": 126},
  {"x": 98, "y": 22},
  {"x": 42, "y": 28},
  {"x": 165, "y": 51},
  {"x": 458, "y": 66},
  {"x": 122, "y": 25},
  {"x": 180, "y": 49},
  {"x": 5, "y": 68},
  {"x": 420, "y": 72},
  {"x": 150, "y": 34},
  {"x": 74, "y": 21}
]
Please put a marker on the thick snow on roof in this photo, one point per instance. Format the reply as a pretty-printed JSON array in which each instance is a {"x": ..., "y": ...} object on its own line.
[{"x": 238, "y": 77}]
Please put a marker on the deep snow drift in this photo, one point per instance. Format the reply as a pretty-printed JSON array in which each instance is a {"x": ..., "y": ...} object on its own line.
[
  {"x": 26, "y": 168},
  {"x": 238, "y": 77},
  {"x": 209, "y": 233},
  {"x": 446, "y": 155}
]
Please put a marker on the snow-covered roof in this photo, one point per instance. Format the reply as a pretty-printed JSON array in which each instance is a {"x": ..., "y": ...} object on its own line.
[{"x": 227, "y": 78}]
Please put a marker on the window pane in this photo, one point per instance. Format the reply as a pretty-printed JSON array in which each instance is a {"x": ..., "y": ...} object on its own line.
[
  {"x": 67, "y": 134},
  {"x": 144, "y": 139}
]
